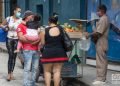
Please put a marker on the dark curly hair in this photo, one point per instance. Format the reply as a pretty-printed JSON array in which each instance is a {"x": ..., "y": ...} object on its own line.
[
  {"x": 103, "y": 8},
  {"x": 54, "y": 18},
  {"x": 37, "y": 17}
]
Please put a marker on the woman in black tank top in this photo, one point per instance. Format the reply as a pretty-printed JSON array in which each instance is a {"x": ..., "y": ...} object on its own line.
[{"x": 53, "y": 55}]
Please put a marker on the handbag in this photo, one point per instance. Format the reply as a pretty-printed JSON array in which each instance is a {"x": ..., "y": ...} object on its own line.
[{"x": 67, "y": 43}]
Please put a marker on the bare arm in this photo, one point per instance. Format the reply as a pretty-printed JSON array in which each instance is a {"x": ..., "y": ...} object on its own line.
[
  {"x": 42, "y": 37},
  {"x": 36, "y": 42},
  {"x": 3, "y": 23},
  {"x": 22, "y": 38}
]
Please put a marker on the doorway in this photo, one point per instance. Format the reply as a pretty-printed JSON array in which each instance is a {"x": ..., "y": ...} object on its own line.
[
  {"x": 13, "y": 4},
  {"x": 40, "y": 12}
]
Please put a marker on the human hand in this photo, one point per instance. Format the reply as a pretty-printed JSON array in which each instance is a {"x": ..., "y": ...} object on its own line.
[
  {"x": 86, "y": 34},
  {"x": 16, "y": 51},
  {"x": 35, "y": 42}
]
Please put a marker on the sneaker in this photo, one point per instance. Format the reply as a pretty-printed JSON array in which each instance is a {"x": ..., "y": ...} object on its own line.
[{"x": 98, "y": 83}]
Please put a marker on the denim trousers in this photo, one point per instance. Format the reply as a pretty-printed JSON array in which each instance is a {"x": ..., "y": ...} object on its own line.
[{"x": 31, "y": 62}]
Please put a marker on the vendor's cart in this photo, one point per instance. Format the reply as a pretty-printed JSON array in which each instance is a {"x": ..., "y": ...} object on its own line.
[{"x": 74, "y": 69}]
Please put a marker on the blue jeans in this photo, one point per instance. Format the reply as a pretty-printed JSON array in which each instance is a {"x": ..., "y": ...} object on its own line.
[{"x": 31, "y": 58}]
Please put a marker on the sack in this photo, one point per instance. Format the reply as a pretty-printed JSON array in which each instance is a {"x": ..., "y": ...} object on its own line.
[
  {"x": 67, "y": 43},
  {"x": 75, "y": 58}
]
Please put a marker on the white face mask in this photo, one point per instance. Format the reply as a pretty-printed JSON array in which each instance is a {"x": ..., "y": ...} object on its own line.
[{"x": 18, "y": 14}]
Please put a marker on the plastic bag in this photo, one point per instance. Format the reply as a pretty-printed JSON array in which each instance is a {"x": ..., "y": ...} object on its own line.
[{"x": 85, "y": 43}]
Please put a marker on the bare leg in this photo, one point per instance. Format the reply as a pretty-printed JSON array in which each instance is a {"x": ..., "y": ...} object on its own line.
[
  {"x": 57, "y": 73},
  {"x": 47, "y": 73}
]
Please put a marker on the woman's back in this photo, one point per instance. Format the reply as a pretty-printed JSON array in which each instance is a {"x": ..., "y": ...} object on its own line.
[
  {"x": 53, "y": 45},
  {"x": 53, "y": 37}
]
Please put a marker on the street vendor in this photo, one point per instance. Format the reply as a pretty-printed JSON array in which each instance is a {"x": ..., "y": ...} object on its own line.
[{"x": 100, "y": 38}]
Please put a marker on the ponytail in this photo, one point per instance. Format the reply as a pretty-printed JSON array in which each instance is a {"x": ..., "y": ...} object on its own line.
[{"x": 54, "y": 18}]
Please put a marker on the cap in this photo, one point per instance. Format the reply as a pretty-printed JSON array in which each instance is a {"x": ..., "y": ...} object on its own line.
[{"x": 27, "y": 13}]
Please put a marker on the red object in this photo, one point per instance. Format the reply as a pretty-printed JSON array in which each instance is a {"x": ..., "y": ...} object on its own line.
[
  {"x": 26, "y": 46},
  {"x": 60, "y": 59}
]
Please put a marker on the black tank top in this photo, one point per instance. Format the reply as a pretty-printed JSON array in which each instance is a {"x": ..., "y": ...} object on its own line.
[
  {"x": 53, "y": 41},
  {"x": 53, "y": 50}
]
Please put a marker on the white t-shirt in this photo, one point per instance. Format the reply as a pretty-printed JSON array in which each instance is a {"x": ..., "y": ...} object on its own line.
[{"x": 12, "y": 27}]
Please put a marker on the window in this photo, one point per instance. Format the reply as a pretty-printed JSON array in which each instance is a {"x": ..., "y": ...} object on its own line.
[{"x": 40, "y": 11}]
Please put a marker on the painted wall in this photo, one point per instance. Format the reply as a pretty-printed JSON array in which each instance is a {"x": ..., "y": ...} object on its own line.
[
  {"x": 69, "y": 9},
  {"x": 66, "y": 9},
  {"x": 7, "y": 7},
  {"x": 1, "y": 10},
  {"x": 22, "y": 3}
]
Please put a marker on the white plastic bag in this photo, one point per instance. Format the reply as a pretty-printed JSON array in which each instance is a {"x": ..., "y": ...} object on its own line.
[{"x": 85, "y": 43}]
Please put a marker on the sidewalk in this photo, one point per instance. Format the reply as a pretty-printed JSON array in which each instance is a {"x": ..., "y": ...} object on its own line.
[
  {"x": 18, "y": 72},
  {"x": 89, "y": 75},
  {"x": 3, "y": 72},
  {"x": 3, "y": 47}
]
